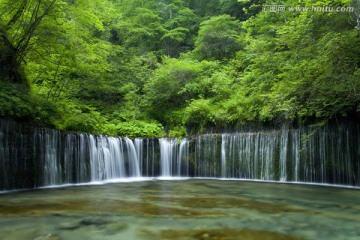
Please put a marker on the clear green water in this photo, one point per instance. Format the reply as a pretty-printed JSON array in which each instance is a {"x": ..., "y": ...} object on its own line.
[{"x": 180, "y": 210}]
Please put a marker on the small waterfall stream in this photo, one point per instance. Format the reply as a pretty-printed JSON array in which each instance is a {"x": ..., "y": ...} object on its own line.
[{"x": 43, "y": 157}]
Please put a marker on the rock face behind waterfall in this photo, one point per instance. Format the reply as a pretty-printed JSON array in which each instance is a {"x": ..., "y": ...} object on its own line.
[
  {"x": 17, "y": 165},
  {"x": 32, "y": 157}
]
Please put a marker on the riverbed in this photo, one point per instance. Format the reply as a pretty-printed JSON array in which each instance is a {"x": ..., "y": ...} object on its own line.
[{"x": 182, "y": 209}]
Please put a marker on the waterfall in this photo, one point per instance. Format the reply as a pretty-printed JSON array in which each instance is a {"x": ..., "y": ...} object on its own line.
[
  {"x": 132, "y": 158},
  {"x": 283, "y": 154},
  {"x": 207, "y": 154},
  {"x": 43, "y": 157},
  {"x": 174, "y": 157},
  {"x": 95, "y": 164},
  {"x": 113, "y": 158},
  {"x": 138, "y": 143},
  {"x": 295, "y": 152},
  {"x": 148, "y": 161},
  {"x": 183, "y": 158},
  {"x": 223, "y": 156},
  {"x": 167, "y": 153},
  {"x": 49, "y": 155},
  {"x": 81, "y": 158},
  {"x": 68, "y": 159}
]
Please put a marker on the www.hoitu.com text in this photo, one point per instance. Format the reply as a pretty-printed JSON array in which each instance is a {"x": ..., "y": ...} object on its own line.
[{"x": 283, "y": 8}]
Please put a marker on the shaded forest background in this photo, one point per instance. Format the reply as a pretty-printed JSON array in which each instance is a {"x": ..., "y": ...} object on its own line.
[{"x": 150, "y": 68}]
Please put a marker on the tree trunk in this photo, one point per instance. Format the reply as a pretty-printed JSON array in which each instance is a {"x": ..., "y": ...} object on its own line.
[
  {"x": 13, "y": 51},
  {"x": 9, "y": 66}
]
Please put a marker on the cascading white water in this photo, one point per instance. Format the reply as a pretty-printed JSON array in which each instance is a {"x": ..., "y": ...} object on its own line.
[
  {"x": 183, "y": 158},
  {"x": 174, "y": 157},
  {"x": 283, "y": 154},
  {"x": 109, "y": 157},
  {"x": 49, "y": 156},
  {"x": 296, "y": 154},
  {"x": 68, "y": 158},
  {"x": 223, "y": 155},
  {"x": 322, "y": 156},
  {"x": 248, "y": 155},
  {"x": 139, "y": 146},
  {"x": 96, "y": 165},
  {"x": 41, "y": 157},
  {"x": 132, "y": 159},
  {"x": 148, "y": 157},
  {"x": 81, "y": 158},
  {"x": 207, "y": 155},
  {"x": 88, "y": 158},
  {"x": 114, "y": 162},
  {"x": 245, "y": 155},
  {"x": 166, "y": 156},
  {"x": 104, "y": 158}
]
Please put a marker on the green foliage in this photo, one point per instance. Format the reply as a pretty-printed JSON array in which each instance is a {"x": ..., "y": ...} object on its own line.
[
  {"x": 173, "y": 85},
  {"x": 198, "y": 113},
  {"x": 15, "y": 101},
  {"x": 296, "y": 69},
  {"x": 163, "y": 90},
  {"x": 143, "y": 68},
  {"x": 76, "y": 116},
  {"x": 178, "y": 131},
  {"x": 139, "y": 129},
  {"x": 217, "y": 38},
  {"x": 90, "y": 122}
]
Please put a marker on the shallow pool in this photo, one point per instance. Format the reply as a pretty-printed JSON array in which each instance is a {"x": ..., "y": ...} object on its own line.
[{"x": 182, "y": 209}]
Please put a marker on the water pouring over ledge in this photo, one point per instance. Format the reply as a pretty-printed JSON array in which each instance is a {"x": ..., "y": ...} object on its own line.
[{"x": 43, "y": 157}]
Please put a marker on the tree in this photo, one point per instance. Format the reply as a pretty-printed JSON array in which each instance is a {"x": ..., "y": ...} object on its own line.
[
  {"x": 19, "y": 21},
  {"x": 178, "y": 21},
  {"x": 124, "y": 66},
  {"x": 217, "y": 38},
  {"x": 296, "y": 67},
  {"x": 241, "y": 9},
  {"x": 138, "y": 27}
]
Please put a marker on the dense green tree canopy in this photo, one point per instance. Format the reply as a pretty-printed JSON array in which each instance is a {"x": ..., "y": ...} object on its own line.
[
  {"x": 150, "y": 68},
  {"x": 217, "y": 38}
]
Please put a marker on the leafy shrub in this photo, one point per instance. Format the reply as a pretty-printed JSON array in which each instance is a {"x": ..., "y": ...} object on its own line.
[
  {"x": 178, "y": 131},
  {"x": 199, "y": 113},
  {"x": 17, "y": 102},
  {"x": 85, "y": 119},
  {"x": 44, "y": 112},
  {"x": 14, "y": 101},
  {"x": 138, "y": 128}
]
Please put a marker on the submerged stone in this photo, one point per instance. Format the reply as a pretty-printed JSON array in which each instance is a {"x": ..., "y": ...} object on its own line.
[
  {"x": 182, "y": 210},
  {"x": 49, "y": 237},
  {"x": 116, "y": 227},
  {"x": 85, "y": 223},
  {"x": 225, "y": 203},
  {"x": 221, "y": 234}
]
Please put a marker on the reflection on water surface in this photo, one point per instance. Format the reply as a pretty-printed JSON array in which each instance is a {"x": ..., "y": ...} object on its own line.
[{"x": 183, "y": 210}]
